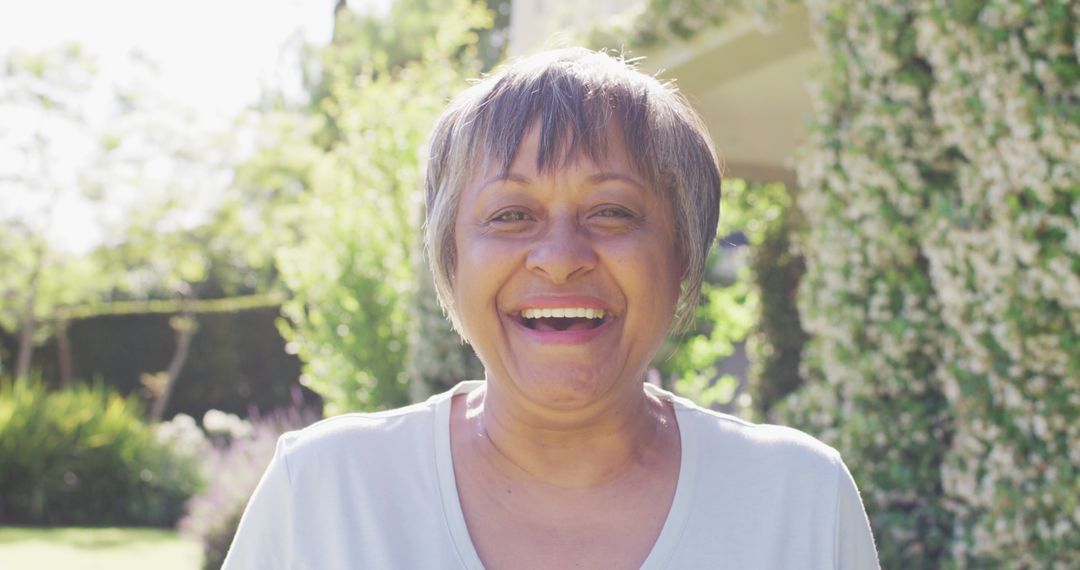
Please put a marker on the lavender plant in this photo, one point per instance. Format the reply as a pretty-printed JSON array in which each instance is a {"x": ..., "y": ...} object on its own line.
[{"x": 240, "y": 452}]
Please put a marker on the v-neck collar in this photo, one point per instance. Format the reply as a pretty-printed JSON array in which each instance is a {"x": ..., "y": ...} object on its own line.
[{"x": 677, "y": 516}]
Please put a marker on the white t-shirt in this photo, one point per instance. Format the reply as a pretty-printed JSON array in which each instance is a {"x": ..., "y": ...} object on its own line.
[{"x": 377, "y": 491}]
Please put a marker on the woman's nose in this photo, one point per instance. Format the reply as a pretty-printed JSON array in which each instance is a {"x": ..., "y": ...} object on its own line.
[{"x": 563, "y": 252}]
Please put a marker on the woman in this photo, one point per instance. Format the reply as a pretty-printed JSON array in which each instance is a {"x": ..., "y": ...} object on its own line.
[{"x": 571, "y": 204}]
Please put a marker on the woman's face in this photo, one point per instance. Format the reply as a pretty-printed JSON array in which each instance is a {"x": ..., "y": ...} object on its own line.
[{"x": 565, "y": 284}]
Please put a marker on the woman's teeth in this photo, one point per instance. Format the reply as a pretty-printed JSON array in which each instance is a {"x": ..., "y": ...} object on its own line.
[{"x": 563, "y": 313}]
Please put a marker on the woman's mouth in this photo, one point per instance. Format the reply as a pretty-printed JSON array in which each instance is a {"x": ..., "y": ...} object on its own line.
[{"x": 562, "y": 319}]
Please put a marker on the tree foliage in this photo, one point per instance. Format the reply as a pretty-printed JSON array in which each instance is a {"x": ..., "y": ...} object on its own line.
[
  {"x": 352, "y": 275},
  {"x": 144, "y": 175},
  {"x": 752, "y": 216},
  {"x": 44, "y": 114}
]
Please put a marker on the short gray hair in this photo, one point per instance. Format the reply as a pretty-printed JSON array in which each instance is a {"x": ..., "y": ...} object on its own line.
[{"x": 576, "y": 95}]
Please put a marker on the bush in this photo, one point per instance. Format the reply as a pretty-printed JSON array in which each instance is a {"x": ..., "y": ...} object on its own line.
[
  {"x": 744, "y": 299},
  {"x": 241, "y": 452},
  {"x": 775, "y": 347},
  {"x": 941, "y": 185},
  {"x": 83, "y": 456}
]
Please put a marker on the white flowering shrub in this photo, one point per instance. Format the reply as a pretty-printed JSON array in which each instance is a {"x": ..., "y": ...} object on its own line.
[
  {"x": 942, "y": 188},
  {"x": 941, "y": 194},
  {"x": 867, "y": 299},
  {"x": 183, "y": 436},
  {"x": 226, "y": 426},
  {"x": 1004, "y": 257}
]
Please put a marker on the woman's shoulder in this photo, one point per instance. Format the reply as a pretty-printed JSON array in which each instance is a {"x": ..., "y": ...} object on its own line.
[
  {"x": 359, "y": 423},
  {"x": 770, "y": 487},
  {"x": 766, "y": 438},
  {"x": 730, "y": 436},
  {"x": 367, "y": 434}
]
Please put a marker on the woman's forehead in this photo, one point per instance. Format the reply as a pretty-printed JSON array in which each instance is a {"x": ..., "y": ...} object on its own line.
[{"x": 543, "y": 153}]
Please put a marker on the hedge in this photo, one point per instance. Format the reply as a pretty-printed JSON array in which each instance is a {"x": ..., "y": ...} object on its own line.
[{"x": 237, "y": 360}]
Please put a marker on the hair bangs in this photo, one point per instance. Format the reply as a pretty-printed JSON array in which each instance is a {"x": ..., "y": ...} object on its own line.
[{"x": 574, "y": 111}]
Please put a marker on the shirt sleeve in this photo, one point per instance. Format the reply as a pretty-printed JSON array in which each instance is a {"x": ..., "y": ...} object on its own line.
[
  {"x": 855, "y": 548},
  {"x": 264, "y": 538}
]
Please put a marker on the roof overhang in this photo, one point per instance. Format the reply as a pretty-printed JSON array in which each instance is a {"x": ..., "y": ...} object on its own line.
[
  {"x": 748, "y": 81},
  {"x": 750, "y": 85}
]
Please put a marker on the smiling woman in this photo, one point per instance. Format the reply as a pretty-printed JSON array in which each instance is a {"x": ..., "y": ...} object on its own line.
[
  {"x": 571, "y": 203},
  {"x": 589, "y": 236}
]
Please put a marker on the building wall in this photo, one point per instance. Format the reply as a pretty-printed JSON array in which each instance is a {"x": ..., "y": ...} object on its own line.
[{"x": 537, "y": 24}]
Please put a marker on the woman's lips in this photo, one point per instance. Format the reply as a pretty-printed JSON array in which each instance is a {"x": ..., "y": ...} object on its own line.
[
  {"x": 562, "y": 319},
  {"x": 560, "y": 301},
  {"x": 568, "y": 336}
]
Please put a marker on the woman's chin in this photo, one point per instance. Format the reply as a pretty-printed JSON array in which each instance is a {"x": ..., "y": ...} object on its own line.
[{"x": 564, "y": 390}]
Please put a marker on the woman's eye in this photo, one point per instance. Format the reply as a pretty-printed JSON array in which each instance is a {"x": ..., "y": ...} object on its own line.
[
  {"x": 614, "y": 213},
  {"x": 510, "y": 216}
]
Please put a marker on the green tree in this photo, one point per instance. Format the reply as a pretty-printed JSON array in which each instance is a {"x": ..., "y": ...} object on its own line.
[
  {"x": 140, "y": 169},
  {"x": 381, "y": 83},
  {"x": 45, "y": 120},
  {"x": 438, "y": 357}
]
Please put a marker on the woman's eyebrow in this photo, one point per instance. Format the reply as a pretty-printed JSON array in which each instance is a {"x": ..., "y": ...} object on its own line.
[
  {"x": 598, "y": 178},
  {"x": 506, "y": 177},
  {"x": 601, "y": 177}
]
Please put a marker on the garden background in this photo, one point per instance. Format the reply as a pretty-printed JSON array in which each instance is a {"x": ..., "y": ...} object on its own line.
[{"x": 911, "y": 297}]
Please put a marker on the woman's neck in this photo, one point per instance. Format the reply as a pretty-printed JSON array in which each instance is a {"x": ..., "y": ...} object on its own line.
[{"x": 568, "y": 449}]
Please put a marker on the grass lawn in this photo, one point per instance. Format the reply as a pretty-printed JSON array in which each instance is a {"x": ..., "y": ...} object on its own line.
[{"x": 96, "y": 548}]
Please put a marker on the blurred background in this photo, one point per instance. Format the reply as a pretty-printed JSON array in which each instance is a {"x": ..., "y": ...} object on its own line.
[{"x": 209, "y": 225}]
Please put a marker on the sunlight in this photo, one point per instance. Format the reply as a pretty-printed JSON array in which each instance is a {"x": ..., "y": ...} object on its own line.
[{"x": 211, "y": 59}]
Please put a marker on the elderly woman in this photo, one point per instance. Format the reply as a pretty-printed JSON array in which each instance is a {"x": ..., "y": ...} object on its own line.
[{"x": 571, "y": 203}]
